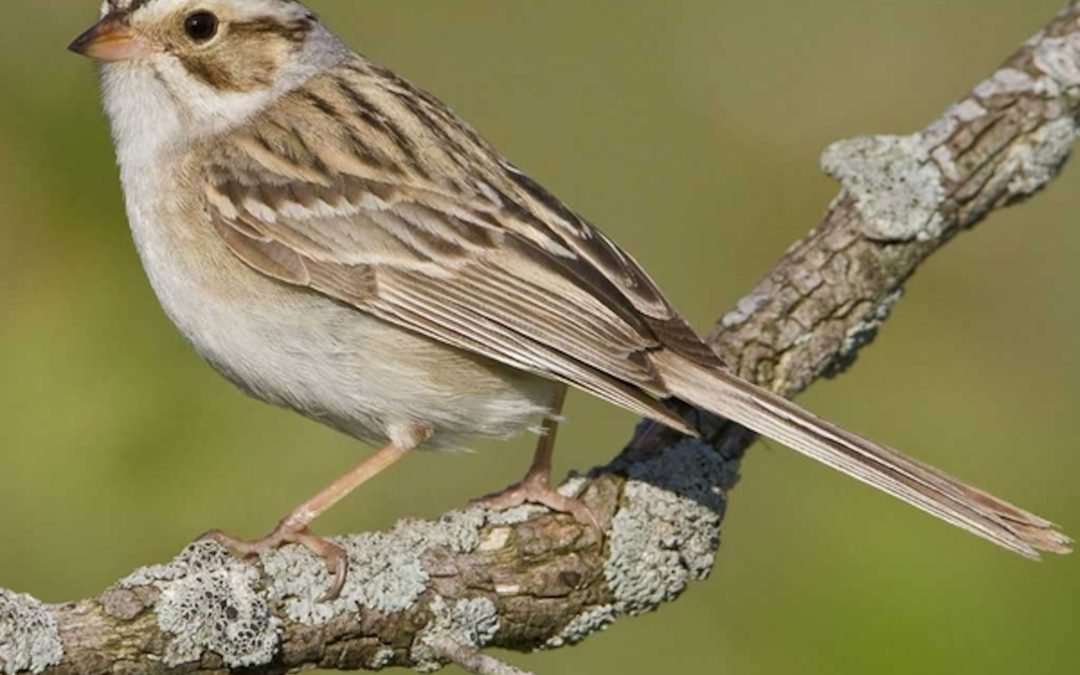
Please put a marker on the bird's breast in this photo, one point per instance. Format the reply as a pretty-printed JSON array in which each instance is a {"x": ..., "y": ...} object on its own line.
[{"x": 296, "y": 348}]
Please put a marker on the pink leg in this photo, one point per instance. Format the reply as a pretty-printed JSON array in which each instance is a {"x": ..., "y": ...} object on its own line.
[
  {"x": 535, "y": 487},
  {"x": 293, "y": 528}
]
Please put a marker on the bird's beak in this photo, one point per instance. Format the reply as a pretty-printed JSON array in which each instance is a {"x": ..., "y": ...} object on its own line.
[{"x": 110, "y": 40}]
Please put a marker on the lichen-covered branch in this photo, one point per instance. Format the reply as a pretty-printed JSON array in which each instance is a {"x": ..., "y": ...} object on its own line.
[
  {"x": 427, "y": 593},
  {"x": 903, "y": 198}
]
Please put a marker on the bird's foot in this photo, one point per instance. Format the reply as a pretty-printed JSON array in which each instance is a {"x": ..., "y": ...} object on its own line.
[
  {"x": 537, "y": 489},
  {"x": 288, "y": 533}
]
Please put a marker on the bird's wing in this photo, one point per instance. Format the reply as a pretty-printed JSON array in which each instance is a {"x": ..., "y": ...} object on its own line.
[{"x": 406, "y": 214}]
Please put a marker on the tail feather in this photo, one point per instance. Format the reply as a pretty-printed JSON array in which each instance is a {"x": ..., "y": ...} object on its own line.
[{"x": 916, "y": 483}]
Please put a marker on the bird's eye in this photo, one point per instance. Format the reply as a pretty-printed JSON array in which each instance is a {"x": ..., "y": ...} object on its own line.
[{"x": 201, "y": 26}]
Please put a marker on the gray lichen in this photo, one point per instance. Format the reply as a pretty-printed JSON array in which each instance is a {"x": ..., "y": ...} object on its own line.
[
  {"x": 584, "y": 625},
  {"x": 29, "y": 637},
  {"x": 1036, "y": 162},
  {"x": 1059, "y": 59},
  {"x": 209, "y": 603},
  {"x": 383, "y": 658},
  {"x": 514, "y": 516},
  {"x": 668, "y": 530},
  {"x": 968, "y": 110},
  {"x": 748, "y": 306},
  {"x": 471, "y": 624},
  {"x": 386, "y": 570},
  {"x": 1005, "y": 82},
  {"x": 897, "y": 189},
  {"x": 863, "y": 333}
]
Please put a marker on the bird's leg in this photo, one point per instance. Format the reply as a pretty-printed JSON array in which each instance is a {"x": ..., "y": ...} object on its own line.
[
  {"x": 535, "y": 487},
  {"x": 293, "y": 528}
]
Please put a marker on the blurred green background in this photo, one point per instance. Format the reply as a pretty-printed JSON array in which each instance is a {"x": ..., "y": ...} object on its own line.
[{"x": 690, "y": 131}]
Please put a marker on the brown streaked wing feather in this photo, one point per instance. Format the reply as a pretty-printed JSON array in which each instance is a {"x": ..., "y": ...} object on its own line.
[
  {"x": 454, "y": 243},
  {"x": 461, "y": 166},
  {"x": 493, "y": 340},
  {"x": 472, "y": 317}
]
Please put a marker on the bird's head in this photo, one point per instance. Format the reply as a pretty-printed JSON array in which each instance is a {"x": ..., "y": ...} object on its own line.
[{"x": 210, "y": 64}]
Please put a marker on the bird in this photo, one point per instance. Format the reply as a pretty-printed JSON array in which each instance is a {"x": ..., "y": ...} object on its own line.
[{"x": 335, "y": 240}]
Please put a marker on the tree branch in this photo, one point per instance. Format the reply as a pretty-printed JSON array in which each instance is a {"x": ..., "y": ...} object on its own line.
[{"x": 428, "y": 593}]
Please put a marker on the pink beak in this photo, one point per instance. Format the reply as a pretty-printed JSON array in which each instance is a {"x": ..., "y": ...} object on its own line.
[{"x": 110, "y": 40}]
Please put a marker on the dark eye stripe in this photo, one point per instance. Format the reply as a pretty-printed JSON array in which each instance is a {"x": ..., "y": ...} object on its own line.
[
  {"x": 293, "y": 31},
  {"x": 249, "y": 56}
]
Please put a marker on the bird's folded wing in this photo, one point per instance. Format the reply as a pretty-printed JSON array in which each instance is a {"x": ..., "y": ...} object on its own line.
[{"x": 499, "y": 268}]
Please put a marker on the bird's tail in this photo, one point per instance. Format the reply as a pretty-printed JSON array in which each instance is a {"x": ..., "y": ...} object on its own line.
[{"x": 883, "y": 468}]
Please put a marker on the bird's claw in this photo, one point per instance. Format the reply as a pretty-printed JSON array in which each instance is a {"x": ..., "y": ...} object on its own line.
[{"x": 337, "y": 562}]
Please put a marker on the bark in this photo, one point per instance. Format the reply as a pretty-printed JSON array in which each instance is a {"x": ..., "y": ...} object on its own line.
[{"x": 429, "y": 593}]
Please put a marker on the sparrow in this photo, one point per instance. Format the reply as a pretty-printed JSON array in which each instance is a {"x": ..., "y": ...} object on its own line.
[{"x": 334, "y": 240}]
